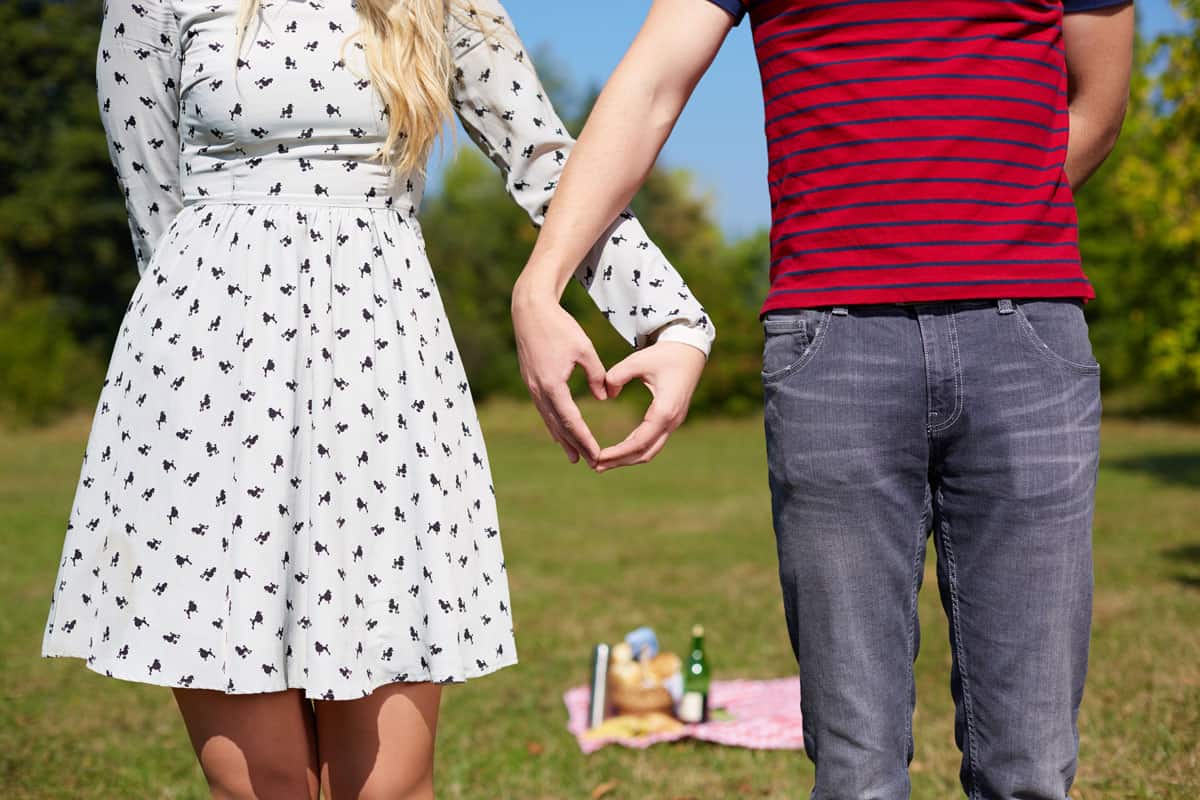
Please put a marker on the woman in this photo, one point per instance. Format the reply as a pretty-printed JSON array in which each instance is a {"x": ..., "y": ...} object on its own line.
[{"x": 285, "y": 496}]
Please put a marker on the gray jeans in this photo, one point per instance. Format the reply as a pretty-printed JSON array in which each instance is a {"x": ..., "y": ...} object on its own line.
[{"x": 978, "y": 421}]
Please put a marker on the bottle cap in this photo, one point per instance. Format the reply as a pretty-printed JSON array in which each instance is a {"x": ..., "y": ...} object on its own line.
[{"x": 697, "y": 630}]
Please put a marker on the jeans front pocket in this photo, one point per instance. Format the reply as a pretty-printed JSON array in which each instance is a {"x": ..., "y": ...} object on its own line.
[
  {"x": 1058, "y": 331},
  {"x": 792, "y": 338}
]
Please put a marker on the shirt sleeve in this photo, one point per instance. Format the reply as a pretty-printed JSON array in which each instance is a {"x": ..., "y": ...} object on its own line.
[
  {"x": 736, "y": 8},
  {"x": 1073, "y": 6},
  {"x": 508, "y": 115},
  {"x": 137, "y": 77}
]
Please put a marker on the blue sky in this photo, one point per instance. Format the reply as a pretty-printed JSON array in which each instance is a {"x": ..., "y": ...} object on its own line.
[{"x": 719, "y": 136}]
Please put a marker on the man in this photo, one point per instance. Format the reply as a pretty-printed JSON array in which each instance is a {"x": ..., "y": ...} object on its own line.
[{"x": 927, "y": 365}]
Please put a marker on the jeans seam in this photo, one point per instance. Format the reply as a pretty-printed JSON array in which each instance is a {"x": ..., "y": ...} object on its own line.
[
  {"x": 956, "y": 365},
  {"x": 928, "y": 388},
  {"x": 922, "y": 531},
  {"x": 971, "y": 750}
]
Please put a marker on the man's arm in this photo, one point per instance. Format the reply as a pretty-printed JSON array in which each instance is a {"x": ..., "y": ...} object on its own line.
[
  {"x": 507, "y": 113},
  {"x": 1099, "y": 45},
  {"x": 631, "y": 121},
  {"x": 627, "y": 128}
]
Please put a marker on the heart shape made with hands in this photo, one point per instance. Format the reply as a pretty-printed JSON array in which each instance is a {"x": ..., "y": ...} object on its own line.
[
  {"x": 670, "y": 370},
  {"x": 551, "y": 345}
]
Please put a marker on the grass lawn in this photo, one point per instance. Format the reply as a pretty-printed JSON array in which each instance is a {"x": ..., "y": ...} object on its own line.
[{"x": 687, "y": 539}]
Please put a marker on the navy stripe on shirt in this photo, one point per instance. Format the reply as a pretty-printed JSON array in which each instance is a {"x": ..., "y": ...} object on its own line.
[
  {"x": 734, "y": 7},
  {"x": 1073, "y": 6}
]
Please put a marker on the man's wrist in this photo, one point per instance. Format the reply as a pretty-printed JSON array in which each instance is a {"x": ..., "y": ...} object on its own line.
[{"x": 533, "y": 290}]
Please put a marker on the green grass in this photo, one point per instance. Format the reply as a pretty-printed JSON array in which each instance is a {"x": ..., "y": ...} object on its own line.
[{"x": 686, "y": 539}]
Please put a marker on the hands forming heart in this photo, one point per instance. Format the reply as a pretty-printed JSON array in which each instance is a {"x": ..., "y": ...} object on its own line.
[{"x": 551, "y": 344}]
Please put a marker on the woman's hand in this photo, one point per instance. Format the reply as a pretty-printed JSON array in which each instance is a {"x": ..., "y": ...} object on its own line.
[
  {"x": 670, "y": 371},
  {"x": 550, "y": 345}
]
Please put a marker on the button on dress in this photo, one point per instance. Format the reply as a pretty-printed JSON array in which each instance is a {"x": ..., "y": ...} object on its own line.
[{"x": 286, "y": 485}]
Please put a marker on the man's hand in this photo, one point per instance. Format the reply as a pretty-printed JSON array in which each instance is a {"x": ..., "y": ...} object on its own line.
[
  {"x": 550, "y": 344},
  {"x": 670, "y": 371}
]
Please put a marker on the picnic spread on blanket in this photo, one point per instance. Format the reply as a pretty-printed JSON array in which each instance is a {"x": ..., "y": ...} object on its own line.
[{"x": 639, "y": 696}]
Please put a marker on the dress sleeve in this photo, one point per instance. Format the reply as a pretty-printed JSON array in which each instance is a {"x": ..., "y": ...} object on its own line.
[
  {"x": 507, "y": 113},
  {"x": 137, "y": 76}
]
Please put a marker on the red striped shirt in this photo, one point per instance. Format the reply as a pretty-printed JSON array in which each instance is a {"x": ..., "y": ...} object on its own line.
[{"x": 916, "y": 150}]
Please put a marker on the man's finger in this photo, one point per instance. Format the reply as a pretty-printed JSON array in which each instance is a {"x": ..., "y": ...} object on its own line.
[
  {"x": 571, "y": 423},
  {"x": 593, "y": 367},
  {"x": 572, "y": 456},
  {"x": 571, "y": 452},
  {"x": 552, "y": 427}
]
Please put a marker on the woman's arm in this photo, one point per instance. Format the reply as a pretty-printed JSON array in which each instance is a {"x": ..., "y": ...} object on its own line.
[
  {"x": 507, "y": 113},
  {"x": 137, "y": 77},
  {"x": 1099, "y": 44},
  {"x": 632, "y": 119}
]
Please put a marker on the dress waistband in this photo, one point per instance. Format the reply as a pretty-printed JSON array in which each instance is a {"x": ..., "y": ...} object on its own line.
[{"x": 402, "y": 203}]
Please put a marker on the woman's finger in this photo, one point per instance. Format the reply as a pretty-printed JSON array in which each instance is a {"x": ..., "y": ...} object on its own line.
[
  {"x": 630, "y": 451},
  {"x": 623, "y": 372}
]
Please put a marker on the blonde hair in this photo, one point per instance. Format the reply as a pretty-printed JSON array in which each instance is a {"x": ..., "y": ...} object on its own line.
[{"x": 411, "y": 67}]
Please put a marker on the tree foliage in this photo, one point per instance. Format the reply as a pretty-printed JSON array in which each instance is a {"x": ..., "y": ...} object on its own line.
[
  {"x": 63, "y": 230},
  {"x": 1140, "y": 231}
]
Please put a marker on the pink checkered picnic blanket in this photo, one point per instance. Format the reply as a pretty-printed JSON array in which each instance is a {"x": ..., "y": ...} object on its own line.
[{"x": 764, "y": 715}]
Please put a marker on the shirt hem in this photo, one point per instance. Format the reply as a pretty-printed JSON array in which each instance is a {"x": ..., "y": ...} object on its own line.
[{"x": 1081, "y": 290}]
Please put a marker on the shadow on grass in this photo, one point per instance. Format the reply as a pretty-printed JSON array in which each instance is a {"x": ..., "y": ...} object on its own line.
[
  {"x": 1174, "y": 469},
  {"x": 1187, "y": 557}
]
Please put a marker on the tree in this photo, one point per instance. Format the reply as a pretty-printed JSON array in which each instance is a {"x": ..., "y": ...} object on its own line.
[
  {"x": 63, "y": 230},
  {"x": 477, "y": 240},
  {"x": 1140, "y": 231}
]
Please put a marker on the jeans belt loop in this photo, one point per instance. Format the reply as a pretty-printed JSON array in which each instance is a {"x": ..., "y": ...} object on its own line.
[
  {"x": 841, "y": 311},
  {"x": 1006, "y": 306}
]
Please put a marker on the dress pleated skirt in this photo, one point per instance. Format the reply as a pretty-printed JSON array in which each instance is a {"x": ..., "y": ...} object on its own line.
[{"x": 285, "y": 484}]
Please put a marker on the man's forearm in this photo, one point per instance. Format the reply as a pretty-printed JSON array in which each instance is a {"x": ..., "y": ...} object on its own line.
[
  {"x": 608, "y": 164},
  {"x": 625, "y": 133}
]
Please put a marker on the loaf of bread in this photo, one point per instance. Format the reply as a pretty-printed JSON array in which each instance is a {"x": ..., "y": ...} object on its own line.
[{"x": 639, "y": 687}]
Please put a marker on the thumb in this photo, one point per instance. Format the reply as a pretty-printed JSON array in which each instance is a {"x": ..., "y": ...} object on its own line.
[
  {"x": 623, "y": 372},
  {"x": 593, "y": 367}
]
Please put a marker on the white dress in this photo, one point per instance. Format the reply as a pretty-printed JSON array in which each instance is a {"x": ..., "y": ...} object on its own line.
[{"x": 285, "y": 484}]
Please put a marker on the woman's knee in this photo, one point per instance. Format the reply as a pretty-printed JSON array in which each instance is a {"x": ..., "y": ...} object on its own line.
[
  {"x": 233, "y": 773},
  {"x": 394, "y": 787}
]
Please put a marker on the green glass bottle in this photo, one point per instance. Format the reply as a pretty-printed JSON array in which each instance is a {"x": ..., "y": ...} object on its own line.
[{"x": 693, "y": 706}]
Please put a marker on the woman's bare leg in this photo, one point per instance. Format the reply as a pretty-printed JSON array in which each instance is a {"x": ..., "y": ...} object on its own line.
[
  {"x": 253, "y": 746},
  {"x": 380, "y": 746}
]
